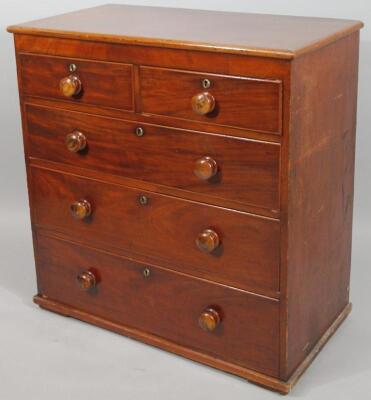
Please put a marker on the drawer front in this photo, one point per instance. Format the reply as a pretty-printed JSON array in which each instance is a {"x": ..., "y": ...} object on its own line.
[
  {"x": 163, "y": 303},
  {"x": 101, "y": 83},
  {"x": 211, "y": 242},
  {"x": 253, "y": 104},
  {"x": 227, "y": 168}
]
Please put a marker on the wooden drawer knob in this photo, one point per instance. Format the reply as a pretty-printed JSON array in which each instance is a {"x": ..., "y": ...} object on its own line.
[
  {"x": 75, "y": 142},
  {"x": 207, "y": 241},
  {"x": 203, "y": 103},
  {"x": 70, "y": 86},
  {"x": 209, "y": 320},
  {"x": 205, "y": 168},
  {"x": 87, "y": 280},
  {"x": 80, "y": 209}
]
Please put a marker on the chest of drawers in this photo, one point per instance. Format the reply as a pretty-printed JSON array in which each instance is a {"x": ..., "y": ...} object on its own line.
[{"x": 190, "y": 178}]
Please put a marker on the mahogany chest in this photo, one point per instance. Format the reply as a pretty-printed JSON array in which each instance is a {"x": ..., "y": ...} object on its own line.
[{"x": 190, "y": 178}]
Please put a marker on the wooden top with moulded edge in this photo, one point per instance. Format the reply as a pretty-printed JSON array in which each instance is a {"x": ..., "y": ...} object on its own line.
[{"x": 263, "y": 35}]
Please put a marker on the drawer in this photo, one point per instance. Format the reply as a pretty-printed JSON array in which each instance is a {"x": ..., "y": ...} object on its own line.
[
  {"x": 227, "y": 246},
  {"x": 240, "y": 170},
  {"x": 139, "y": 296},
  {"x": 104, "y": 84},
  {"x": 247, "y": 103}
]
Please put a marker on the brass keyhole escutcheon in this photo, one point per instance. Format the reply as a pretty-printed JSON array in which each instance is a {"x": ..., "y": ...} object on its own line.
[
  {"x": 139, "y": 131},
  {"x": 206, "y": 83},
  {"x": 72, "y": 67},
  {"x": 143, "y": 200}
]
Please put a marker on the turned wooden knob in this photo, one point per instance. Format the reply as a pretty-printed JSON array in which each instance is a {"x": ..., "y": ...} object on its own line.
[
  {"x": 80, "y": 209},
  {"x": 86, "y": 280},
  {"x": 205, "y": 168},
  {"x": 209, "y": 320},
  {"x": 203, "y": 103},
  {"x": 70, "y": 86},
  {"x": 207, "y": 241},
  {"x": 75, "y": 141}
]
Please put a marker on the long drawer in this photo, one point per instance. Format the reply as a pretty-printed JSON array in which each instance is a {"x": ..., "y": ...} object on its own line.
[
  {"x": 163, "y": 303},
  {"x": 227, "y": 246},
  {"x": 240, "y": 170}
]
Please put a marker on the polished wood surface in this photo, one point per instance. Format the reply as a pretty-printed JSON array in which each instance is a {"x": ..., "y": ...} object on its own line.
[
  {"x": 145, "y": 186},
  {"x": 234, "y": 101},
  {"x": 100, "y": 83},
  {"x": 263, "y": 380},
  {"x": 213, "y": 178},
  {"x": 124, "y": 296},
  {"x": 250, "y": 34},
  {"x": 164, "y": 228},
  {"x": 158, "y": 155},
  {"x": 321, "y": 179},
  {"x": 272, "y": 69}
]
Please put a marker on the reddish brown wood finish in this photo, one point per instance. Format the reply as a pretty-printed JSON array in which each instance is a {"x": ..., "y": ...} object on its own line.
[
  {"x": 123, "y": 295},
  {"x": 212, "y": 31},
  {"x": 240, "y": 102},
  {"x": 284, "y": 387},
  {"x": 102, "y": 83},
  {"x": 229, "y": 64},
  {"x": 320, "y": 189},
  {"x": 225, "y": 64},
  {"x": 165, "y": 229},
  {"x": 148, "y": 206},
  {"x": 162, "y": 155}
]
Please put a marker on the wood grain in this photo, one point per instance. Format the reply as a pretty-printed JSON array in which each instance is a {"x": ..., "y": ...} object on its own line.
[
  {"x": 283, "y": 387},
  {"x": 152, "y": 187},
  {"x": 124, "y": 296},
  {"x": 251, "y": 34},
  {"x": 230, "y": 64},
  {"x": 240, "y": 102},
  {"x": 321, "y": 173},
  {"x": 165, "y": 229},
  {"x": 162, "y": 155},
  {"x": 250, "y": 67},
  {"x": 104, "y": 84},
  {"x": 272, "y": 204}
]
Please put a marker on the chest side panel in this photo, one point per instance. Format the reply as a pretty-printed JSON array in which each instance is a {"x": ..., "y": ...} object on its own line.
[{"x": 320, "y": 192}]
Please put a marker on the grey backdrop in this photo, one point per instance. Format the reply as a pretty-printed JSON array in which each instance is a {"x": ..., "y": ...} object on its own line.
[{"x": 45, "y": 356}]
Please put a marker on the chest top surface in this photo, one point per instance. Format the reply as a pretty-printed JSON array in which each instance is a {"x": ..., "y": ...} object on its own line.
[{"x": 254, "y": 34}]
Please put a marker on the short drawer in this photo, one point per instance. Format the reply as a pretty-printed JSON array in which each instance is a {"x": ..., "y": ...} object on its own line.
[
  {"x": 98, "y": 83},
  {"x": 243, "y": 328},
  {"x": 227, "y": 246},
  {"x": 253, "y": 104},
  {"x": 239, "y": 170}
]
